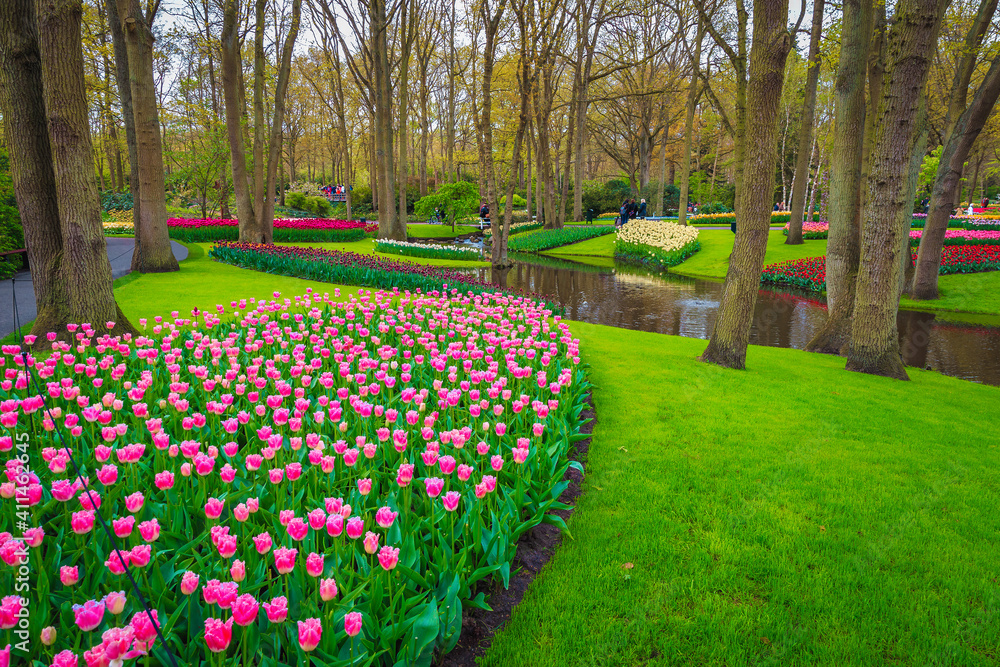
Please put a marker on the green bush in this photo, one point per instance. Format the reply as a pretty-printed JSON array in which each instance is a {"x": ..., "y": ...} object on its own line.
[
  {"x": 116, "y": 201},
  {"x": 553, "y": 238},
  {"x": 295, "y": 200},
  {"x": 318, "y": 206},
  {"x": 11, "y": 238}
]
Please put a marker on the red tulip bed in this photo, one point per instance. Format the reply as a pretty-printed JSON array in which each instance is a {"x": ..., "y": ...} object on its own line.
[
  {"x": 287, "y": 481},
  {"x": 285, "y": 230},
  {"x": 810, "y": 274}
]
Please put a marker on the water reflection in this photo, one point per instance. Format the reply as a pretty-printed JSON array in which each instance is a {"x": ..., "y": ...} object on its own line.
[{"x": 670, "y": 304}]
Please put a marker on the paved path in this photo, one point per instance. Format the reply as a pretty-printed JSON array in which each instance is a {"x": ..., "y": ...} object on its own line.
[{"x": 119, "y": 253}]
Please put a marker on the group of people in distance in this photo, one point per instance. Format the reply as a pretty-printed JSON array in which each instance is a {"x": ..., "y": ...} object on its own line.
[
  {"x": 630, "y": 211},
  {"x": 331, "y": 190}
]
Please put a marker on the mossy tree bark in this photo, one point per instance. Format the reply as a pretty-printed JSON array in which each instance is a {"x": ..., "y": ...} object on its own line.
[
  {"x": 910, "y": 43},
  {"x": 771, "y": 44},
  {"x": 946, "y": 182},
  {"x": 844, "y": 243},
  {"x": 806, "y": 129},
  {"x": 27, "y": 136},
  {"x": 491, "y": 18},
  {"x": 153, "y": 253},
  {"x": 78, "y": 273},
  {"x": 232, "y": 90}
]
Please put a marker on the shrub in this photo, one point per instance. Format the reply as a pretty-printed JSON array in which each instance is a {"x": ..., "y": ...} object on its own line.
[{"x": 296, "y": 200}]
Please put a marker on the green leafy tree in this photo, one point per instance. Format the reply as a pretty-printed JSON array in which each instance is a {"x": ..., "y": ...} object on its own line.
[{"x": 457, "y": 200}]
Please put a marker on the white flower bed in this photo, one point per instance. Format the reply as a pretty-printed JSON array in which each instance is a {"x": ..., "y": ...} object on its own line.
[
  {"x": 667, "y": 236},
  {"x": 516, "y": 226},
  {"x": 432, "y": 250}
]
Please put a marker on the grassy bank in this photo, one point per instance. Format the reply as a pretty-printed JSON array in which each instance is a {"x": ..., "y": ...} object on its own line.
[{"x": 791, "y": 514}]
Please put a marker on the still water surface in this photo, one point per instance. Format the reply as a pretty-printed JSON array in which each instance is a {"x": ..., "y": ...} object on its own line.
[{"x": 671, "y": 304}]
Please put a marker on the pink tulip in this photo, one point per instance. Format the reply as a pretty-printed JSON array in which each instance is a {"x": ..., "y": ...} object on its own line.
[
  {"x": 447, "y": 464},
  {"x": 434, "y": 486},
  {"x": 464, "y": 472},
  {"x": 88, "y": 615},
  {"x": 364, "y": 486},
  {"x": 134, "y": 502},
  {"x": 285, "y": 516},
  {"x": 262, "y": 542},
  {"x": 371, "y": 543},
  {"x": 496, "y": 462},
  {"x": 490, "y": 482},
  {"x": 405, "y": 474},
  {"x": 388, "y": 557},
  {"x": 123, "y": 527},
  {"x": 144, "y": 627},
  {"x": 327, "y": 589},
  {"x": 213, "y": 508},
  {"x": 276, "y": 609},
  {"x": 334, "y": 525},
  {"x": 385, "y": 517},
  {"x": 141, "y": 555},
  {"x": 218, "y": 634},
  {"x": 297, "y": 529},
  {"x": 11, "y": 608},
  {"x": 284, "y": 560},
  {"x": 62, "y": 659},
  {"x": 118, "y": 561},
  {"x": 314, "y": 565},
  {"x": 115, "y": 602},
  {"x": 115, "y": 643},
  {"x": 82, "y": 522},
  {"x": 164, "y": 480},
  {"x": 245, "y": 610},
  {"x": 48, "y": 636},
  {"x": 355, "y": 527},
  {"x": 317, "y": 519},
  {"x": 150, "y": 530},
  {"x": 238, "y": 571},
  {"x": 276, "y": 475},
  {"x": 451, "y": 500},
  {"x": 189, "y": 583},
  {"x": 226, "y": 594},
  {"x": 352, "y": 623},
  {"x": 310, "y": 633},
  {"x": 69, "y": 576}
]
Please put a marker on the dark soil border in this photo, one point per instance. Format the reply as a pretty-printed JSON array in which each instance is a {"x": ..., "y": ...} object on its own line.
[{"x": 534, "y": 550}]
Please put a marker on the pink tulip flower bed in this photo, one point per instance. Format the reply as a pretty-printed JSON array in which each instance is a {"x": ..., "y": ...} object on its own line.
[
  {"x": 286, "y": 480},
  {"x": 812, "y": 230},
  {"x": 961, "y": 237},
  {"x": 279, "y": 223}
]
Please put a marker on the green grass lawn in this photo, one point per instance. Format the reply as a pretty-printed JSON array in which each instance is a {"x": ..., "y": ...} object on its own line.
[
  {"x": 712, "y": 261},
  {"x": 964, "y": 292},
  {"x": 791, "y": 514},
  {"x": 602, "y": 246}
]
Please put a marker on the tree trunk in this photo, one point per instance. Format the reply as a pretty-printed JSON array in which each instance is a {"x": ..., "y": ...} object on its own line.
[
  {"x": 771, "y": 43},
  {"x": 23, "y": 112},
  {"x": 910, "y": 44},
  {"x": 232, "y": 89},
  {"x": 125, "y": 96},
  {"x": 153, "y": 253},
  {"x": 806, "y": 129},
  {"x": 843, "y": 244},
  {"x": 661, "y": 206},
  {"x": 265, "y": 221},
  {"x": 388, "y": 221},
  {"x": 692, "y": 102},
  {"x": 255, "y": 232},
  {"x": 953, "y": 156},
  {"x": 85, "y": 275},
  {"x": 407, "y": 28}
]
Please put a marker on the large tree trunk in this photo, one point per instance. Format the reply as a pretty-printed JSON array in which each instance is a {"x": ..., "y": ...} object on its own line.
[
  {"x": 153, "y": 253},
  {"x": 806, "y": 128},
  {"x": 83, "y": 267},
  {"x": 692, "y": 102},
  {"x": 232, "y": 88},
  {"x": 27, "y": 136},
  {"x": 965, "y": 130},
  {"x": 388, "y": 221},
  {"x": 771, "y": 43},
  {"x": 910, "y": 44},
  {"x": 844, "y": 245},
  {"x": 255, "y": 232},
  {"x": 406, "y": 35}
]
